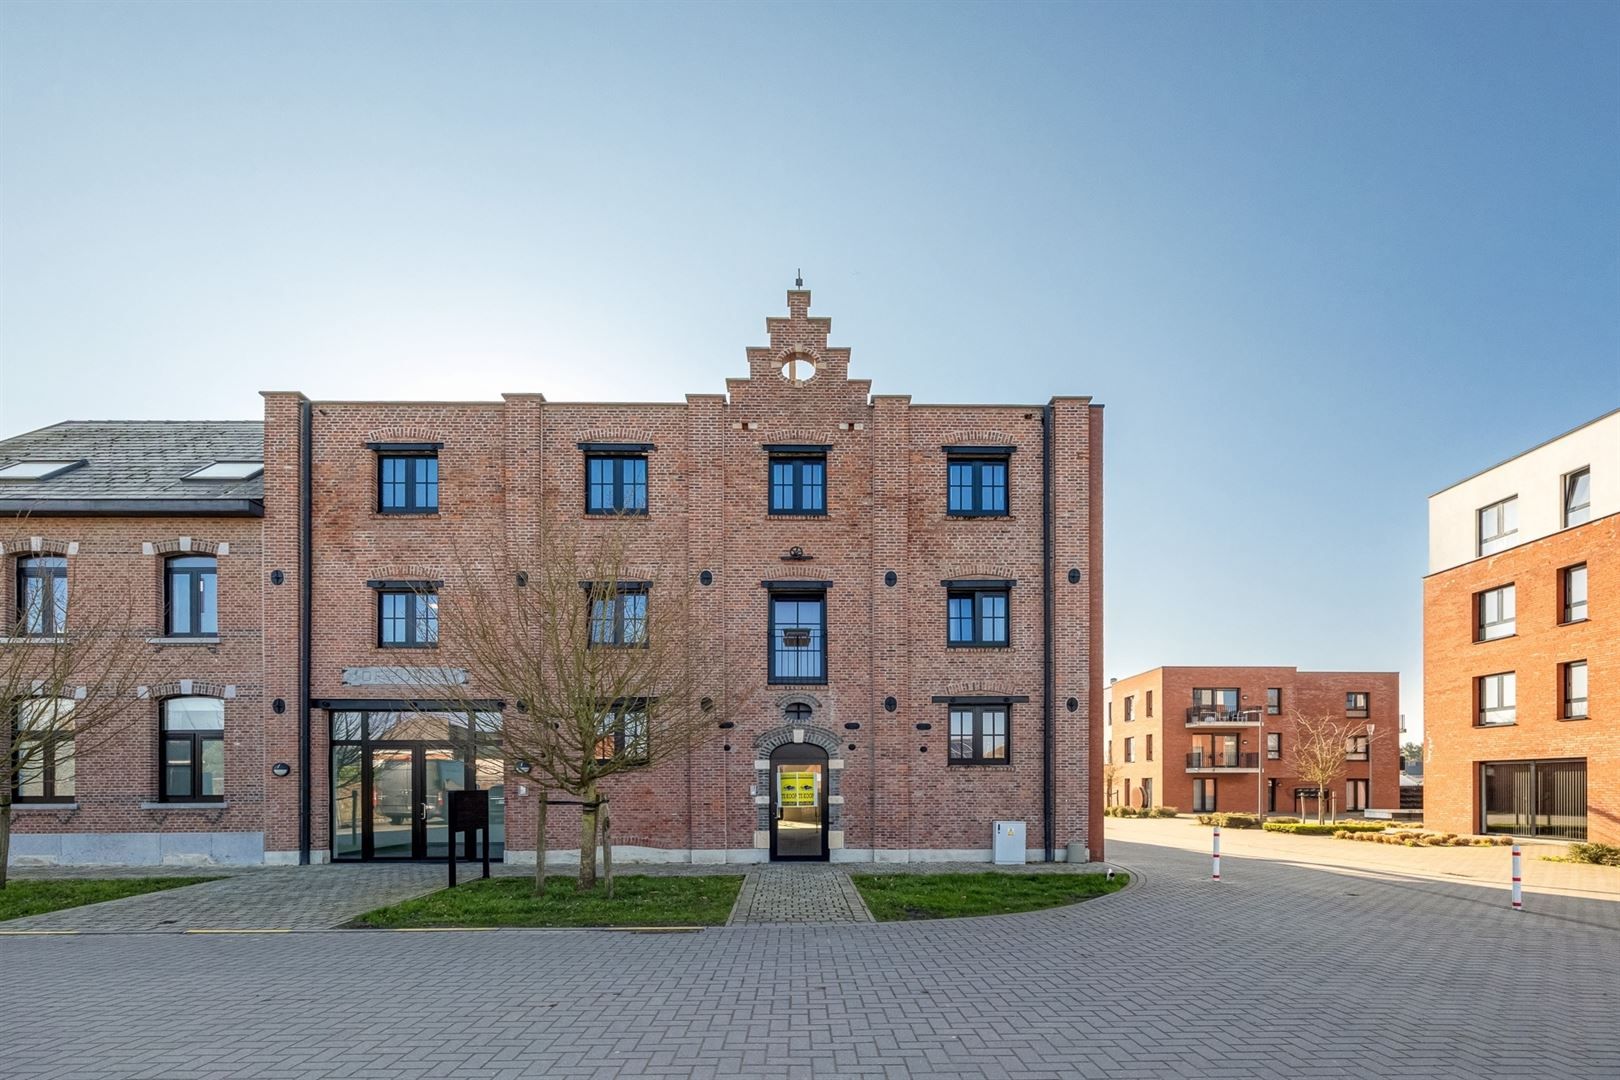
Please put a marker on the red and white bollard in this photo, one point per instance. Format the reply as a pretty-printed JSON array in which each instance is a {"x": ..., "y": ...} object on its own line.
[
  {"x": 1215, "y": 859},
  {"x": 1518, "y": 888}
]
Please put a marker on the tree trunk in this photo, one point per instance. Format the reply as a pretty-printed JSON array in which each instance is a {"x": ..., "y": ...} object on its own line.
[
  {"x": 540, "y": 847},
  {"x": 5, "y": 835},
  {"x": 587, "y": 840},
  {"x": 607, "y": 848}
]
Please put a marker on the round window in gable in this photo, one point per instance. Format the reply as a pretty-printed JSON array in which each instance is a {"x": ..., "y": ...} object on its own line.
[{"x": 799, "y": 369}]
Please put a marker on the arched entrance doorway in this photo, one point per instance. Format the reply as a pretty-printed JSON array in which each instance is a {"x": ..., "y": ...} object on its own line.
[{"x": 798, "y": 802}]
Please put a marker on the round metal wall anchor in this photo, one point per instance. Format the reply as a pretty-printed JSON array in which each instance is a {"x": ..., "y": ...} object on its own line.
[
  {"x": 277, "y": 577},
  {"x": 705, "y": 578},
  {"x": 1072, "y": 704},
  {"x": 281, "y": 768},
  {"x": 889, "y": 704},
  {"x": 1074, "y": 576},
  {"x": 891, "y": 578},
  {"x": 278, "y": 706}
]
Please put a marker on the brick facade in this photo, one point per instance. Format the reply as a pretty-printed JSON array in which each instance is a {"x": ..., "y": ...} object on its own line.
[
  {"x": 1270, "y": 784},
  {"x": 508, "y": 467},
  {"x": 1455, "y": 744}
]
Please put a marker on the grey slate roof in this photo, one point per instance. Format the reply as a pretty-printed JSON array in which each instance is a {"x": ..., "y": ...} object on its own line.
[{"x": 135, "y": 466}]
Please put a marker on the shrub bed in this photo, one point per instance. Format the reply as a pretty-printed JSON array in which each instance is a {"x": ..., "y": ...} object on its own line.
[
  {"x": 1132, "y": 811},
  {"x": 1163, "y": 811},
  {"x": 1230, "y": 821},
  {"x": 1311, "y": 828},
  {"x": 1415, "y": 838},
  {"x": 1592, "y": 854}
]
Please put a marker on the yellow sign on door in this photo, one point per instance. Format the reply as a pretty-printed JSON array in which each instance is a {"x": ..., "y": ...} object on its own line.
[{"x": 796, "y": 788}]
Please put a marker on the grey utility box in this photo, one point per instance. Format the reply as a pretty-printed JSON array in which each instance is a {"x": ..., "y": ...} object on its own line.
[{"x": 1008, "y": 848}]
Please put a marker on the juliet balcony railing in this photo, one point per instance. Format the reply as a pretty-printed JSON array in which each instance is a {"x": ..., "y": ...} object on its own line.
[
  {"x": 1197, "y": 761},
  {"x": 1221, "y": 716}
]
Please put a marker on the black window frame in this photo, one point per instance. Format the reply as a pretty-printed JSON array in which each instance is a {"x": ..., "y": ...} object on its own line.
[
  {"x": 27, "y": 570},
  {"x": 1572, "y": 478},
  {"x": 1566, "y": 606},
  {"x": 195, "y": 740},
  {"x": 47, "y": 765},
  {"x": 618, "y": 732},
  {"x": 1355, "y": 711},
  {"x": 1130, "y": 750},
  {"x": 977, "y": 712},
  {"x": 173, "y": 572},
  {"x": 413, "y": 455},
  {"x": 800, "y": 592},
  {"x": 1274, "y": 745},
  {"x": 1566, "y": 669},
  {"x": 800, "y": 457},
  {"x": 620, "y": 590},
  {"x": 975, "y": 592},
  {"x": 617, "y": 456},
  {"x": 1130, "y": 709},
  {"x": 1148, "y": 707},
  {"x": 979, "y": 459},
  {"x": 1274, "y": 700},
  {"x": 414, "y": 592}
]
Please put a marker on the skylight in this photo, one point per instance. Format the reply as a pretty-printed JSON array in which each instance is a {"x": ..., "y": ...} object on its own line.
[
  {"x": 37, "y": 470},
  {"x": 228, "y": 470}
]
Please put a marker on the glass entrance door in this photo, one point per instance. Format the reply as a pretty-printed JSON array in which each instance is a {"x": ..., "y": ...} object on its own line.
[
  {"x": 410, "y": 788},
  {"x": 798, "y": 802}
]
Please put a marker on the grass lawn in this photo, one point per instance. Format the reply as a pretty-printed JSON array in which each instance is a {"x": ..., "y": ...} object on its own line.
[
  {"x": 35, "y": 896},
  {"x": 949, "y": 896},
  {"x": 639, "y": 900}
]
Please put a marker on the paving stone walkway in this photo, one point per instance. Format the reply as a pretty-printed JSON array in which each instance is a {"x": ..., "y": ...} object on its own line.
[{"x": 798, "y": 893}]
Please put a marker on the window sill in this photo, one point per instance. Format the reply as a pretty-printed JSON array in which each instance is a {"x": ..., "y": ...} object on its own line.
[
  {"x": 42, "y": 807},
  {"x": 984, "y": 764},
  {"x": 1490, "y": 640},
  {"x": 217, "y": 805},
  {"x": 1507, "y": 723},
  {"x": 1572, "y": 719},
  {"x": 775, "y": 515},
  {"x": 820, "y": 684},
  {"x": 978, "y": 517},
  {"x": 35, "y": 639},
  {"x": 980, "y": 645},
  {"x": 1575, "y": 622},
  {"x": 615, "y": 515},
  {"x": 407, "y": 648},
  {"x": 404, "y": 513},
  {"x": 175, "y": 640}
]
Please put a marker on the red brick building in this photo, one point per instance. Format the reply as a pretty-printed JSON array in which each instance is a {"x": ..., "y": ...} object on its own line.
[
  {"x": 902, "y": 600},
  {"x": 1521, "y": 644},
  {"x": 1223, "y": 738}
]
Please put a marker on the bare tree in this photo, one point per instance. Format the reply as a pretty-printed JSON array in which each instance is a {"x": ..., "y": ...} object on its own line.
[
  {"x": 1321, "y": 748},
  {"x": 68, "y": 684},
  {"x": 593, "y": 663},
  {"x": 1110, "y": 775}
]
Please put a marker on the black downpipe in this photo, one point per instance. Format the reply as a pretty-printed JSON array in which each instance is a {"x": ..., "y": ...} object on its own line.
[
  {"x": 306, "y": 423},
  {"x": 1048, "y": 735}
]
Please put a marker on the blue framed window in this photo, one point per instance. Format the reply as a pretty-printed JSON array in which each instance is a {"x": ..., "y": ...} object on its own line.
[
  {"x": 407, "y": 618},
  {"x": 799, "y": 484},
  {"x": 615, "y": 484},
  {"x": 977, "y": 618},
  {"x": 619, "y": 615},
  {"x": 976, "y": 487},
  {"x": 408, "y": 483},
  {"x": 798, "y": 638}
]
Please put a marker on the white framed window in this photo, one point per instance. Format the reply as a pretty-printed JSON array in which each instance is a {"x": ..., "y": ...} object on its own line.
[
  {"x": 1578, "y": 497},
  {"x": 1498, "y": 699},
  {"x": 1495, "y": 610}
]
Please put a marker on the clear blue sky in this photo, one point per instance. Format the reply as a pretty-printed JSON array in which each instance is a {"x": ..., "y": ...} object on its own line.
[{"x": 1318, "y": 260}]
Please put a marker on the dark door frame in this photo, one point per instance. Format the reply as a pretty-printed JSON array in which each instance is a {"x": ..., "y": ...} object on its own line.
[{"x": 800, "y": 754}]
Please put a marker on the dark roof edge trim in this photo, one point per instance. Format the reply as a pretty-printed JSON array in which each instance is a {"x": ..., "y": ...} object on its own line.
[
  {"x": 403, "y": 583},
  {"x": 979, "y": 699},
  {"x": 405, "y": 447},
  {"x": 134, "y": 507},
  {"x": 617, "y": 447},
  {"x": 979, "y": 583},
  {"x": 395, "y": 704},
  {"x": 979, "y": 451},
  {"x": 795, "y": 448},
  {"x": 796, "y": 585}
]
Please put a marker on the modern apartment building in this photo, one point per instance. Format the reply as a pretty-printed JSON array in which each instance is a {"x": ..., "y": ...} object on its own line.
[
  {"x": 1225, "y": 738},
  {"x": 903, "y": 601},
  {"x": 1521, "y": 643}
]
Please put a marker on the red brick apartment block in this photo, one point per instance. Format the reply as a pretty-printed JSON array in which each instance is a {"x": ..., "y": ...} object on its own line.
[
  {"x": 1521, "y": 644},
  {"x": 928, "y": 575},
  {"x": 1223, "y": 738}
]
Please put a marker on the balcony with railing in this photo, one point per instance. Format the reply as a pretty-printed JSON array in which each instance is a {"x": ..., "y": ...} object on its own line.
[
  {"x": 1222, "y": 761},
  {"x": 1222, "y": 716}
]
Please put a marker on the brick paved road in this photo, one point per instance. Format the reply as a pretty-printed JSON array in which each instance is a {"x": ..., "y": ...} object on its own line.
[{"x": 1281, "y": 971}]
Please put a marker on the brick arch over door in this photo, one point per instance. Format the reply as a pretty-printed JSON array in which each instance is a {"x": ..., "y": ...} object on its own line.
[{"x": 815, "y": 736}]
